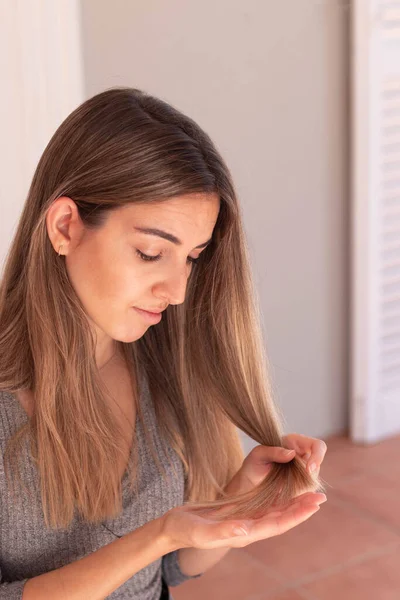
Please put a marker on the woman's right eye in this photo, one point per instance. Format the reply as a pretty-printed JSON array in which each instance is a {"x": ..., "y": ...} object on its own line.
[{"x": 146, "y": 257}]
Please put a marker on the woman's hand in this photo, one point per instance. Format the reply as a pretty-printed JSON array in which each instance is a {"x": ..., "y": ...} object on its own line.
[
  {"x": 258, "y": 462},
  {"x": 185, "y": 529},
  {"x": 311, "y": 450}
]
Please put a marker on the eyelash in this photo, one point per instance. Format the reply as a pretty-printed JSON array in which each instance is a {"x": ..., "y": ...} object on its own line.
[{"x": 145, "y": 257}]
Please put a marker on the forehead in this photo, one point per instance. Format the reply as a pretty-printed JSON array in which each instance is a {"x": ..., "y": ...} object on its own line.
[{"x": 192, "y": 210}]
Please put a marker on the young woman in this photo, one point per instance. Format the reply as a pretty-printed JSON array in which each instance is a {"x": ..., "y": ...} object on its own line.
[{"x": 130, "y": 353}]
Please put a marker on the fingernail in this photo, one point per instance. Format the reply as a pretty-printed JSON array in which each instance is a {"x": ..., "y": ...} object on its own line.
[
  {"x": 287, "y": 452},
  {"x": 312, "y": 467},
  {"x": 239, "y": 531}
]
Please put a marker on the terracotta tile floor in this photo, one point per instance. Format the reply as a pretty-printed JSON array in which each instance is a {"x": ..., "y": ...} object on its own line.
[{"x": 349, "y": 550}]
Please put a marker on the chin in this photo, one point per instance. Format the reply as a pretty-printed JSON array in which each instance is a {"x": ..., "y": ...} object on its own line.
[{"x": 128, "y": 336}]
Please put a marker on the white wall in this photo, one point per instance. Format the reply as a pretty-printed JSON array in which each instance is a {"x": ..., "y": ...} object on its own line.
[
  {"x": 268, "y": 81},
  {"x": 41, "y": 84}
]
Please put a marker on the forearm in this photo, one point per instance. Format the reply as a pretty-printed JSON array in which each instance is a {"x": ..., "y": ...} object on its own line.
[
  {"x": 97, "y": 575},
  {"x": 193, "y": 561}
]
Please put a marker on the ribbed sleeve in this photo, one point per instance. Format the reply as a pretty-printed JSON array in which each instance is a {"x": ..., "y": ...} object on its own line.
[
  {"x": 171, "y": 570},
  {"x": 12, "y": 591}
]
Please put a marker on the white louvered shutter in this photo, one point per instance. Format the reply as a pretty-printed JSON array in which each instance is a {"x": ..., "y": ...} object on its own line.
[{"x": 375, "y": 310}]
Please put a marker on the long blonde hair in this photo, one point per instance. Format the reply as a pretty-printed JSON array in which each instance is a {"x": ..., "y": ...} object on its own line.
[{"x": 205, "y": 362}]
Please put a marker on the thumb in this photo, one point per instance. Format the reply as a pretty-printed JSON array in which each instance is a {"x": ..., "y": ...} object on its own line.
[
  {"x": 288, "y": 454},
  {"x": 223, "y": 530},
  {"x": 233, "y": 529},
  {"x": 278, "y": 454}
]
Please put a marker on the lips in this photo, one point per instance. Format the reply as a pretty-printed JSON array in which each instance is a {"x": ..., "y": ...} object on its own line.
[{"x": 152, "y": 317}]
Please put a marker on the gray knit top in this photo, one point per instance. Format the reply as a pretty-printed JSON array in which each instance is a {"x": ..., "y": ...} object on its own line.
[{"x": 28, "y": 548}]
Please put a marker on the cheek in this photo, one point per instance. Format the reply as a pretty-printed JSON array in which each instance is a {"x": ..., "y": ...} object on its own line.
[
  {"x": 108, "y": 281},
  {"x": 97, "y": 279}
]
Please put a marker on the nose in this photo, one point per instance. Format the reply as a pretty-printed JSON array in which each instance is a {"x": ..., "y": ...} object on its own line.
[{"x": 173, "y": 287}]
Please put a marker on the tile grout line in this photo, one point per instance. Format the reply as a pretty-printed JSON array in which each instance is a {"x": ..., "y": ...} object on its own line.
[
  {"x": 347, "y": 504},
  {"x": 365, "y": 513},
  {"x": 306, "y": 595},
  {"x": 356, "y": 560},
  {"x": 297, "y": 584},
  {"x": 269, "y": 572},
  {"x": 321, "y": 574},
  {"x": 359, "y": 559}
]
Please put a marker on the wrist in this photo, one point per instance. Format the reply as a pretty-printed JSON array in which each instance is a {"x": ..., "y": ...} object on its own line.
[
  {"x": 153, "y": 532},
  {"x": 165, "y": 536}
]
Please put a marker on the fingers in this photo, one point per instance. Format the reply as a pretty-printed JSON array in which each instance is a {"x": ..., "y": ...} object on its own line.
[
  {"x": 294, "y": 515},
  {"x": 230, "y": 529},
  {"x": 295, "y": 441},
  {"x": 269, "y": 454},
  {"x": 317, "y": 497},
  {"x": 316, "y": 450},
  {"x": 279, "y": 522},
  {"x": 308, "y": 498}
]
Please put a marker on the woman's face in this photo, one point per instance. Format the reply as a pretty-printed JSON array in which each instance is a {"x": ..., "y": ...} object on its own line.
[{"x": 107, "y": 272}]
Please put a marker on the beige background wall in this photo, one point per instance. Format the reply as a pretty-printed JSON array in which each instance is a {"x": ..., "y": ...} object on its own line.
[{"x": 268, "y": 81}]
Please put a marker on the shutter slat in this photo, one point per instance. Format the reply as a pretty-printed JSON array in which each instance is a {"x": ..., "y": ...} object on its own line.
[{"x": 375, "y": 387}]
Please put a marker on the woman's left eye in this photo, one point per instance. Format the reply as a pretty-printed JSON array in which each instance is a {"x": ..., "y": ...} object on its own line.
[{"x": 154, "y": 258}]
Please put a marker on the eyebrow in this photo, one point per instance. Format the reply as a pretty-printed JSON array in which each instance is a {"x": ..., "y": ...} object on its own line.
[{"x": 166, "y": 236}]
